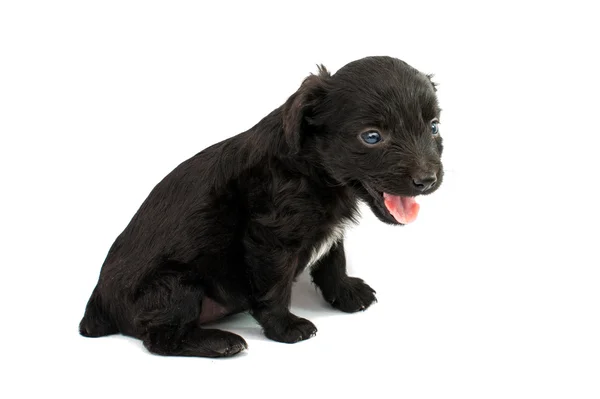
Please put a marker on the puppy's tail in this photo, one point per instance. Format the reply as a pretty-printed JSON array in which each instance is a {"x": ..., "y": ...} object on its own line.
[{"x": 96, "y": 321}]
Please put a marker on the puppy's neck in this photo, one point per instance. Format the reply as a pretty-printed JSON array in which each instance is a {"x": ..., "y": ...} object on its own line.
[{"x": 267, "y": 140}]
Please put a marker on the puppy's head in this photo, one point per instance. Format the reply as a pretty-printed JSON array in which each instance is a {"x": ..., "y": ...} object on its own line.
[{"x": 373, "y": 126}]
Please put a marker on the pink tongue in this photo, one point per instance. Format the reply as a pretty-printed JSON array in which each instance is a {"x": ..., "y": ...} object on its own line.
[{"x": 403, "y": 209}]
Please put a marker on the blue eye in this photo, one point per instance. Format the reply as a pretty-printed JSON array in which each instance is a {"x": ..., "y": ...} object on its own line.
[
  {"x": 435, "y": 128},
  {"x": 371, "y": 137}
]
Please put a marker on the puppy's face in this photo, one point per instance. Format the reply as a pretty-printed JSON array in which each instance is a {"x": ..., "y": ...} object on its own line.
[{"x": 374, "y": 126}]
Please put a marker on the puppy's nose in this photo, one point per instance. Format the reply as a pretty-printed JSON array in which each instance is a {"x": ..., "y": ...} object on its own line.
[{"x": 425, "y": 181}]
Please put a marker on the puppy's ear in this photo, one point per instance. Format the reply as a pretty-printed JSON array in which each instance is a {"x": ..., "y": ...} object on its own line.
[
  {"x": 433, "y": 84},
  {"x": 300, "y": 107}
]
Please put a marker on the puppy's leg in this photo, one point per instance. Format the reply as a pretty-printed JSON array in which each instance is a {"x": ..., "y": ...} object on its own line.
[
  {"x": 96, "y": 321},
  {"x": 349, "y": 294},
  {"x": 167, "y": 322},
  {"x": 272, "y": 294}
]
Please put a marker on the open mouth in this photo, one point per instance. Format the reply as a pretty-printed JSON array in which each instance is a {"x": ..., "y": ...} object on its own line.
[
  {"x": 394, "y": 208},
  {"x": 403, "y": 209}
]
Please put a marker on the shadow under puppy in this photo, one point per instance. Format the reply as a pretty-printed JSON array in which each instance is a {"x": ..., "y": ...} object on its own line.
[{"x": 231, "y": 228}]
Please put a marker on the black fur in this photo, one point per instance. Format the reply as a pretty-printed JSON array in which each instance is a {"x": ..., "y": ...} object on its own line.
[{"x": 230, "y": 229}]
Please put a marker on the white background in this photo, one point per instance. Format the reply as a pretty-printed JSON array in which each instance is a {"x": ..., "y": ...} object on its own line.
[{"x": 494, "y": 292}]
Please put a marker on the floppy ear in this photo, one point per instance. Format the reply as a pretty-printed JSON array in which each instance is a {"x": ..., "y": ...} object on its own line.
[
  {"x": 430, "y": 77},
  {"x": 299, "y": 108}
]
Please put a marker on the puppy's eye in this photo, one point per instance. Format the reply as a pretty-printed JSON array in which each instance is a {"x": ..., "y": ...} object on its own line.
[
  {"x": 435, "y": 128},
  {"x": 371, "y": 137}
]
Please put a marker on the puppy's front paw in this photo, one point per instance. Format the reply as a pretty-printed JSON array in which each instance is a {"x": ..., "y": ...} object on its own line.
[
  {"x": 292, "y": 331},
  {"x": 353, "y": 295}
]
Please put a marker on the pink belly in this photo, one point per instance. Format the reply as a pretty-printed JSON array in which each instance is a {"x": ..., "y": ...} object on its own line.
[{"x": 212, "y": 311}]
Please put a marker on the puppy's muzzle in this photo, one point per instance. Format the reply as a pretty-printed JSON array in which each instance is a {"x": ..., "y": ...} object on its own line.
[{"x": 424, "y": 181}]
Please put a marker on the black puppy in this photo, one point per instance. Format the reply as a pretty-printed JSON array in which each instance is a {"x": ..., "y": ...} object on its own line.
[{"x": 231, "y": 228}]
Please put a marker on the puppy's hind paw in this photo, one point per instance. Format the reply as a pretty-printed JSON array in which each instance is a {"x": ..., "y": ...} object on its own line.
[{"x": 353, "y": 295}]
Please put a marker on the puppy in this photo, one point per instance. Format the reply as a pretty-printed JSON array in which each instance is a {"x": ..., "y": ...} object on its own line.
[{"x": 231, "y": 228}]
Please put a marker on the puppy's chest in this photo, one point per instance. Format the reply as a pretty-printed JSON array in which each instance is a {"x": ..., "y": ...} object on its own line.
[
  {"x": 341, "y": 213},
  {"x": 323, "y": 245}
]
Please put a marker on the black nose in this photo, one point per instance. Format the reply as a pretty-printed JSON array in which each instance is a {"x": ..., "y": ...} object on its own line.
[{"x": 424, "y": 182}]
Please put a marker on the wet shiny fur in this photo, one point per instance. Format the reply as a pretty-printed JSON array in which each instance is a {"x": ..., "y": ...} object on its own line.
[{"x": 231, "y": 228}]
